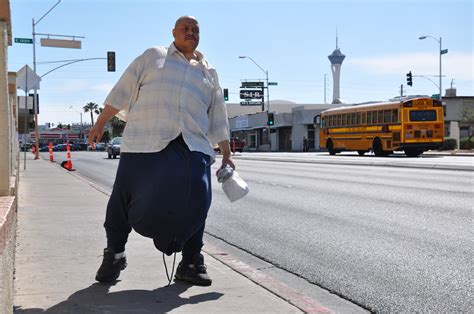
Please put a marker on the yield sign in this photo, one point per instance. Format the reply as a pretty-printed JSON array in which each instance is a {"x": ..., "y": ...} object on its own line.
[{"x": 27, "y": 79}]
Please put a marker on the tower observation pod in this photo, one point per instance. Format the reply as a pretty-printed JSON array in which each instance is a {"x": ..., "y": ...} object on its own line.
[{"x": 336, "y": 59}]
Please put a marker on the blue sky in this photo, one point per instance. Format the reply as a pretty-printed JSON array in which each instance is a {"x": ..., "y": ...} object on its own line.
[{"x": 290, "y": 39}]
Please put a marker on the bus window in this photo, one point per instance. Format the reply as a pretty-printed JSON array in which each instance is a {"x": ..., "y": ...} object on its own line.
[
  {"x": 374, "y": 117},
  {"x": 349, "y": 119},
  {"x": 423, "y": 115},
  {"x": 358, "y": 119},
  {"x": 344, "y": 117},
  {"x": 387, "y": 118},
  {"x": 394, "y": 116},
  {"x": 354, "y": 119},
  {"x": 380, "y": 117},
  {"x": 364, "y": 117},
  {"x": 339, "y": 120}
]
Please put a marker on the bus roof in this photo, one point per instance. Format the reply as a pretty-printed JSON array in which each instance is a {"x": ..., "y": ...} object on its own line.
[{"x": 371, "y": 105}]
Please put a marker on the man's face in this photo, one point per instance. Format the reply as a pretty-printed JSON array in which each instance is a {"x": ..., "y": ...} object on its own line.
[{"x": 186, "y": 35}]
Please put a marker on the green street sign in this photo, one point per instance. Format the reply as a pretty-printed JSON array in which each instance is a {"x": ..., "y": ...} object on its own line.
[
  {"x": 272, "y": 83},
  {"x": 23, "y": 40}
]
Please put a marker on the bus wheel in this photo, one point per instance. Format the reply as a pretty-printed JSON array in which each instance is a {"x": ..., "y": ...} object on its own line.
[
  {"x": 413, "y": 152},
  {"x": 377, "y": 148},
  {"x": 361, "y": 152},
  {"x": 330, "y": 147}
]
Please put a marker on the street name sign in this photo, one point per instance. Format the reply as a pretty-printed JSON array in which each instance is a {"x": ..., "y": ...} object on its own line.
[
  {"x": 23, "y": 40},
  {"x": 272, "y": 83},
  {"x": 251, "y": 84}
]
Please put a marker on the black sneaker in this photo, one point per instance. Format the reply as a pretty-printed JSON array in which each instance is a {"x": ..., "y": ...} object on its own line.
[
  {"x": 194, "y": 273},
  {"x": 110, "y": 269}
]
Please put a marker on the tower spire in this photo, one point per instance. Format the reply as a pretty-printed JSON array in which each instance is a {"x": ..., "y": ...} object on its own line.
[{"x": 336, "y": 59}]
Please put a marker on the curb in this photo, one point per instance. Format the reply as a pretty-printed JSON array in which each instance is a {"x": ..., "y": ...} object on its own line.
[
  {"x": 341, "y": 162},
  {"x": 297, "y": 299}
]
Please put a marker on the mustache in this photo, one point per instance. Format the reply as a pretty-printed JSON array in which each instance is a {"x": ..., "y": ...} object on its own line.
[{"x": 190, "y": 37}]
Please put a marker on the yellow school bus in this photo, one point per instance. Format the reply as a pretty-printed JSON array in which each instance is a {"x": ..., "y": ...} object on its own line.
[{"x": 412, "y": 125}]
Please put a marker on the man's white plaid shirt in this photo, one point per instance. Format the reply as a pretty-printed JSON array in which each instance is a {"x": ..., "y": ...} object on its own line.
[{"x": 162, "y": 94}]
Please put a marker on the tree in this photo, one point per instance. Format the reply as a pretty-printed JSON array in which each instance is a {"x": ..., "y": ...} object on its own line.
[
  {"x": 467, "y": 119},
  {"x": 92, "y": 108},
  {"x": 117, "y": 126}
]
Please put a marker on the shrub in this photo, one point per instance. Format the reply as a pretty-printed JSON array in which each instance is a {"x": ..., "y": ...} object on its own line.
[
  {"x": 464, "y": 143},
  {"x": 448, "y": 144}
]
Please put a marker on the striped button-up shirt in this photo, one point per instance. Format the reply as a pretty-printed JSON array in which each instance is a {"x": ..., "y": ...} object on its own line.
[{"x": 162, "y": 94}]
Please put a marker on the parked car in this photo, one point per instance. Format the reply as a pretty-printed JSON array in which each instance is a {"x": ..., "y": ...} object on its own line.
[
  {"x": 236, "y": 145},
  {"x": 113, "y": 148},
  {"x": 100, "y": 147},
  {"x": 59, "y": 148}
]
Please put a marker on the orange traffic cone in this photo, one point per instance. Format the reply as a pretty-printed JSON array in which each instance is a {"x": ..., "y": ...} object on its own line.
[
  {"x": 50, "y": 148},
  {"x": 68, "y": 164}
]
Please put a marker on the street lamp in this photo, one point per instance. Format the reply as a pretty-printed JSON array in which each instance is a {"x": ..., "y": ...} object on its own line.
[
  {"x": 268, "y": 96},
  {"x": 441, "y": 52},
  {"x": 35, "y": 98},
  {"x": 81, "y": 135}
]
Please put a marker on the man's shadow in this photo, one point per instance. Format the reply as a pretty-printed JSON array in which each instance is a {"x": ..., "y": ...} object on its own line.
[{"x": 97, "y": 299}]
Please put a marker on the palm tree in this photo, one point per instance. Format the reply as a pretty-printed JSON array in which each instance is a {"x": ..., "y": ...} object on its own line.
[{"x": 92, "y": 108}]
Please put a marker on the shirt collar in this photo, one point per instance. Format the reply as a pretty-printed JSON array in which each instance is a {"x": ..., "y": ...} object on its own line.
[{"x": 172, "y": 49}]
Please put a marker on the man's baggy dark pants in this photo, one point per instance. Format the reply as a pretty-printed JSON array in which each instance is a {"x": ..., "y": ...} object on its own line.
[{"x": 164, "y": 196}]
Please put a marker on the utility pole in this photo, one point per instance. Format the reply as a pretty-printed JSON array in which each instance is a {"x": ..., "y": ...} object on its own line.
[
  {"x": 401, "y": 90},
  {"x": 268, "y": 97}
]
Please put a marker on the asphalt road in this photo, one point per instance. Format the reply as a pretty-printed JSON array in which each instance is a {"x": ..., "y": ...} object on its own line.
[{"x": 389, "y": 238}]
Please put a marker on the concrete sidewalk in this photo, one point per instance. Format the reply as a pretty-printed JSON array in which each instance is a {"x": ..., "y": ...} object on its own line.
[{"x": 59, "y": 247}]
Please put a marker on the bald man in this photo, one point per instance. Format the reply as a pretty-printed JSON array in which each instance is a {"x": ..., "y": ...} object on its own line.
[{"x": 175, "y": 113}]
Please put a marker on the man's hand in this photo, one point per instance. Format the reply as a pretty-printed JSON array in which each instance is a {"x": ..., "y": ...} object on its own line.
[
  {"x": 227, "y": 160},
  {"x": 95, "y": 134},
  {"x": 224, "y": 147}
]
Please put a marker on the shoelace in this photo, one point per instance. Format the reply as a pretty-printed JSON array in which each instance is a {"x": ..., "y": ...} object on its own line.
[
  {"x": 170, "y": 278},
  {"x": 166, "y": 268}
]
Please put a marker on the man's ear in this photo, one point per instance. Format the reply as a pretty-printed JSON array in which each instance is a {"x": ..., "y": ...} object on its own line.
[{"x": 174, "y": 36}]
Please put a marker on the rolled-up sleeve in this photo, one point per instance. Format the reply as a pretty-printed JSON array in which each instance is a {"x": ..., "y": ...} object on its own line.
[
  {"x": 125, "y": 92},
  {"x": 218, "y": 122}
]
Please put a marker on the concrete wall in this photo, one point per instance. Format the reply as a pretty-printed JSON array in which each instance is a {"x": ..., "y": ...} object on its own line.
[
  {"x": 5, "y": 115},
  {"x": 7, "y": 251},
  {"x": 8, "y": 165}
]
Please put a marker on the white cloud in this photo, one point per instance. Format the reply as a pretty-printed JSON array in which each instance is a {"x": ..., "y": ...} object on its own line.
[{"x": 454, "y": 65}]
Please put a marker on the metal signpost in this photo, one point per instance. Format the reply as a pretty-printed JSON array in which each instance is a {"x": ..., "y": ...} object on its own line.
[{"x": 27, "y": 79}]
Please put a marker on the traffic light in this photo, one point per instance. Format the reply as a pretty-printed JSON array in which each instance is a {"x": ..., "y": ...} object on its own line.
[
  {"x": 270, "y": 121},
  {"x": 226, "y": 94},
  {"x": 110, "y": 61},
  {"x": 409, "y": 79}
]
